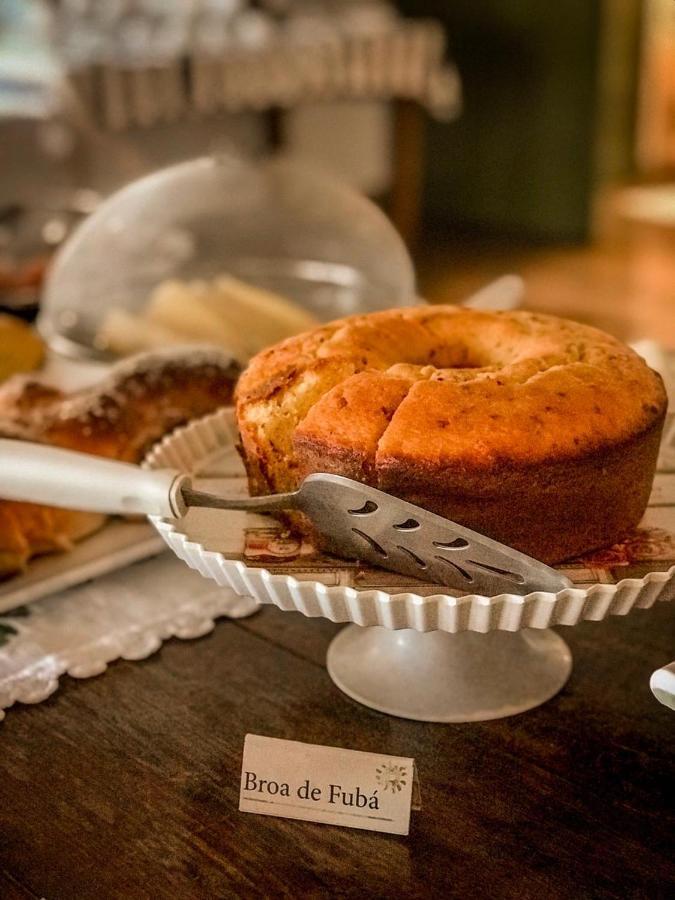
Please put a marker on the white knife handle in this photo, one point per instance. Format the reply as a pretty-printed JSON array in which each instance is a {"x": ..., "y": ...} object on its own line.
[
  {"x": 37, "y": 473},
  {"x": 662, "y": 684}
]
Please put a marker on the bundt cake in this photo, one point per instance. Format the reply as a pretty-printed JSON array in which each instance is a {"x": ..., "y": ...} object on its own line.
[{"x": 537, "y": 431}]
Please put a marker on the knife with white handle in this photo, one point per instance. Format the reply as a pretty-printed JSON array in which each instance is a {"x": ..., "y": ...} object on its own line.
[
  {"x": 37, "y": 473},
  {"x": 358, "y": 521}
]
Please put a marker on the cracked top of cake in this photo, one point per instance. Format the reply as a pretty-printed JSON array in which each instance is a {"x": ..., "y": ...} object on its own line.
[{"x": 427, "y": 388}]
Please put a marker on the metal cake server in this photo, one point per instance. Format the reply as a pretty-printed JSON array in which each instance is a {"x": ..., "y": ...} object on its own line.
[{"x": 358, "y": 521}]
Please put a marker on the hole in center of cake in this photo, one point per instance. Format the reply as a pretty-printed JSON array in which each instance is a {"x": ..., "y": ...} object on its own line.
[{"x": 455, "y": 356}]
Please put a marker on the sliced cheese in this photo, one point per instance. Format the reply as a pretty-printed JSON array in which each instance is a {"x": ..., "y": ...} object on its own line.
[
  {"x": 182, "y": 307},
  {"x": 123, "y": 333}
]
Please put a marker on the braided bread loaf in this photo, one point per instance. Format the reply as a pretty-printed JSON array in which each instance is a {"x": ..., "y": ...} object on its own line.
[
  {"x": 141, "y": 399},
  {"x": 537, "y": 431}
]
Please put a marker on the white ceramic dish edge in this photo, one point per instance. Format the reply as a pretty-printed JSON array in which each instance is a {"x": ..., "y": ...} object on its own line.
[{"x": 190, "y": 446}]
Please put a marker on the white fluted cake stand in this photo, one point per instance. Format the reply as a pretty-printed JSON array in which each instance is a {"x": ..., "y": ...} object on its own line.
[{"x": 437, "y": 658}]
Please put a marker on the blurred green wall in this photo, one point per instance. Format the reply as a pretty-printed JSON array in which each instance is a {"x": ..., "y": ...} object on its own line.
[{"x": 520, "y": 159}]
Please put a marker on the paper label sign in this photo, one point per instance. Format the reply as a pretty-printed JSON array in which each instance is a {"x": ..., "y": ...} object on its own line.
[{"x": 326, "y": 784}]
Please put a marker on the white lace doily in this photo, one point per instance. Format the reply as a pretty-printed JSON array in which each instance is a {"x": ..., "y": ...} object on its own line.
[{"x": 124, "y": 615}]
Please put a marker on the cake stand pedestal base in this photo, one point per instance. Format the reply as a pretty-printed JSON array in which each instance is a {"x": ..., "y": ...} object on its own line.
[{"x": 441, "y": 677}]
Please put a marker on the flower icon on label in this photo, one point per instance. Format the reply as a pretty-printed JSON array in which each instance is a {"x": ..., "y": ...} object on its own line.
[{"x": 391, "y": 777}]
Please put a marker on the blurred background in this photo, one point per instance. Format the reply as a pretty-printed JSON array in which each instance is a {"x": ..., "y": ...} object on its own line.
[{"x": 501, "y": 136}]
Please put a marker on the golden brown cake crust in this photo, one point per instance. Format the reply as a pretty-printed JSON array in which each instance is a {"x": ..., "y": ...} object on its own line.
[{"x": 538, "y": 431}]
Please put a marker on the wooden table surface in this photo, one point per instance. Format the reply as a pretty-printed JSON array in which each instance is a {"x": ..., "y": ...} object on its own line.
[
  {"x": 126, "y": 785},
  {"x": 624, "y": 283}
]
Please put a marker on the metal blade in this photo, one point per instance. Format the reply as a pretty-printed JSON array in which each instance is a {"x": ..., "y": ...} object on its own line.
[{"x": 364, "y": 523}]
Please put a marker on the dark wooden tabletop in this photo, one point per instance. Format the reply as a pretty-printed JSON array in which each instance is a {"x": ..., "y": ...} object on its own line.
[{"x": 127, "y": 785}]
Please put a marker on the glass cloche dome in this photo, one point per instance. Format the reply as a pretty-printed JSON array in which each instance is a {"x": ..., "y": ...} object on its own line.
[{"x": 277, "y": 225}]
